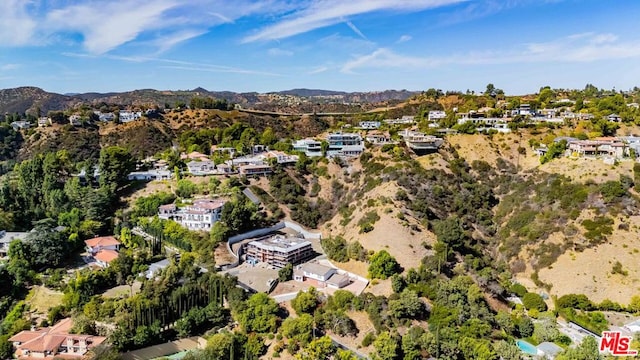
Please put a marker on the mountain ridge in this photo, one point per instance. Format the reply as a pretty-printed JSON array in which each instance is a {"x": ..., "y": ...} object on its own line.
[{"x": 31, "y": 99}]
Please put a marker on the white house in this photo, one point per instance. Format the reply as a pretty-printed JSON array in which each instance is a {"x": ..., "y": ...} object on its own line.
[
  {"x": 102, "y": 243},
  {"x": 75, "y": 120},
  {"x": 206, "y": 167},
  {"x": 128, "y": 116},
  {"x": 44, "y": 121},
  {"x": 201, "y": 215},
  {"x": 150, "y": 175},
  {"x": 614, "y": 118},
  {"x": 156, "y": 267},
  {"x": 369, "y": 125},
  {"x": 436, "y": 115},
  {"x": 310, "y": 147},
  {"x": 321, "y": 276},
  {"x": 20, "y": 125}
]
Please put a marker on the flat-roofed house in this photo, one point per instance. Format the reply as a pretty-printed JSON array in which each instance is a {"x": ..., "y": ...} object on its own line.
[
  {"x": 321, "y": 276},
  {"x": 278, "y": 251},
  {"x": 6, "y": 238}
]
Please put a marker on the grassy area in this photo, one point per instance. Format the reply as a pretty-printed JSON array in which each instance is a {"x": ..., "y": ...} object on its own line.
[{"x": 41, "y": 299}]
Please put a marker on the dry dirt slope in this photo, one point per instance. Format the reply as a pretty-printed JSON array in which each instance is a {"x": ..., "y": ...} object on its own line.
[{"x": 588, "y": 272}]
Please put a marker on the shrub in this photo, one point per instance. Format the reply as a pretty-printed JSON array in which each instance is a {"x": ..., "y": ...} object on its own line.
[
  {"x": 534, "y": 301},
  {"x": 383, "y": 265},
  {"x": 518, "y": 289}
]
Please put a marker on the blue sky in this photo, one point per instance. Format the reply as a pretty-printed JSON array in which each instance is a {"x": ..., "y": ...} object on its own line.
[{"x": 352, "y": 45}]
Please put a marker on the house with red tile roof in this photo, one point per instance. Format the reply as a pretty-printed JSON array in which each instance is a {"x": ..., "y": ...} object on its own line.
[
  {"x": 53, "y": 343},
  {"x": 104, "y": 249}
]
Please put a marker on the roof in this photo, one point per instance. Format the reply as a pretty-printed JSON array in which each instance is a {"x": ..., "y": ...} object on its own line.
[
  {"x": 315, "y": 268},
  {"x": 281, "y": 243},
  {"x": 209, "y": 204},
  {"x": 159, "y": 265},
  {"x": 102, "y": 241},
  {"x": 549, "y": 348},
  {"x": 7, "y": 236},
  {"x": 168, "y": 207},
  {"x": 49, "y": 339},
  {"x": 337, "y": 279},
  {"x": 106, "y": 255}
]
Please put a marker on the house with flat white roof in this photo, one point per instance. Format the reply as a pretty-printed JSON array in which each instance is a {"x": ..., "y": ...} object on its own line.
[
  {"x": 369, "y": 125},
  {"x": 321, "y": 276},
  {"x": 436, "y": 115},
  {"x": 278, "y": 251},
  {"x": 201, "y": 167},
  {"x": 308, "y": 146},
  {"x": 150, "y": 175}
]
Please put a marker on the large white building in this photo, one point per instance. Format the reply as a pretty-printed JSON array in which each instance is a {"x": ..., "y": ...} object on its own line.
[
  {"x": 310, "y": 147},
  {"x": 436, "y": 115},
  {"x": 344, "y": 144},
  {"x": 201, "y": 215}
]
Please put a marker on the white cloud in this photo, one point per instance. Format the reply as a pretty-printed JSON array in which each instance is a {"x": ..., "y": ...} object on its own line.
[
  {"x": 218, "y": 69},
  {"x": 324, "y": 13},
  {"x": 104, "y": 25},
  {"x": 356, "y": 30},
  {"x": 279, "y": 52},
  {"x": 16, "y": 26},
  {"x": 404, "y": 38},
  {"x": 167, "y": 42},
  {"x": 107, "y": 26},
  {"x": 572, "y": 49},
  {"x": 9, "y": 67},
  {"x": 318, "y": 70}
]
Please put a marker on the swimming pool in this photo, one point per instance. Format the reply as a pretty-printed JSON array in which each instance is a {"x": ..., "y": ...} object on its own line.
[{"x": 526, "y": 347}]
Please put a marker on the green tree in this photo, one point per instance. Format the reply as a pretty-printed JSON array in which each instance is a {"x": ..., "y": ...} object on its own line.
[
  {"x": 258, "y": 314},
  {"x": 321, "y": 348},
  {"x": 115, "y": 163},
  {"x": 587, "y": 350},
  {"x": 306, "y": 301},
  {"x": 286, "y": 273},
  {"x": 383, "y": 265},
  {"x": 386, "y": 347},
  {"x": 408, "y": 305},
  {"x": 299, "y": 329},
  {"x": 186, "y": 188}
]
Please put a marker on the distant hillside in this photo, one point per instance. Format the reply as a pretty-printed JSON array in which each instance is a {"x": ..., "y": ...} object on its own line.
[{"x": 29, "y": 99}]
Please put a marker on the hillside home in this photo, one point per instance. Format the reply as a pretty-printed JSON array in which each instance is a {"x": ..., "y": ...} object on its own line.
[
  {"x": 105, "y": 117},
  {"x": 54, "y": 342},
  {"x": 405, "y": 120},
  {"x": 255, "y": 169},
  {"x": 128, "y": 116},
  {"x": 6, "y": 238},
  {"x": 44, "y": 121},
  {"x": 338, "y": 141},
  {"x": 280, "y": 157},
  {"x": 20, "y": 125},
  {"x": 103, "y": 249},
  {"x": 156, "y": 267},
  {"x": 378, "y": 138},
  {"x": 611, "y": 147},
  {"x": 321, "y": 276},
  {"x": 308, "y": 146},
  {"x": 201, "y": 215},
  {"x": 278, "y": 251},
  {"x": 150, "y": 175},
  {"x": 199, "y": 168},
  {"x": 215, "y": 150},
  {"x": 369, "y": 125},
  {"x": 194, "y": 155},
  {"x": 436, "y": 115},
  {"x": 75, "y": 120},
  {"x": 614, "y": 118}
]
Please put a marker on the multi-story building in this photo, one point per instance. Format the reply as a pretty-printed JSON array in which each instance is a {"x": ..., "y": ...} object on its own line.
[
  {"x": 436, "y": 115},
  {"x": 201, "y": 215},
  {"x": 278, "y": 251},
  {"x": 310, "y": 147},
  {"x": 344, "y": 144}
]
